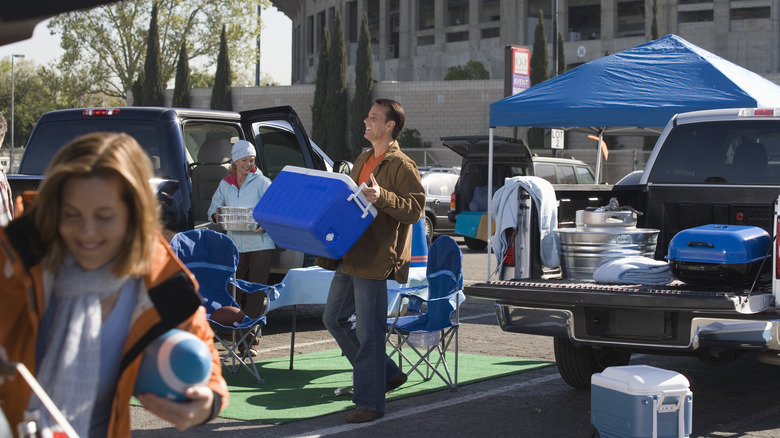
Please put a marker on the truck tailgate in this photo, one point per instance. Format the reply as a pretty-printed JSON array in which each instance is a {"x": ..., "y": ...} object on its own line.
[{"x": 553, "y": 293}]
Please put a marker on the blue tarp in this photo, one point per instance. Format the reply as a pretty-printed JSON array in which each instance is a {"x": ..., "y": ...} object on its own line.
[{"x": 639, "y": 87}]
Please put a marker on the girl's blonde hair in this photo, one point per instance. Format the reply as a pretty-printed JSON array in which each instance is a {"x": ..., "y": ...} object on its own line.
[{"x": 104, "y": 155}]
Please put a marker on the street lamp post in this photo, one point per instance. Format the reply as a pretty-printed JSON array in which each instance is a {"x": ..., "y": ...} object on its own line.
[{"x": 11, "y": 165}]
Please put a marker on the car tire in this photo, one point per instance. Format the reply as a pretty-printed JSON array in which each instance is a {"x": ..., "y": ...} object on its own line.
[
  {"x": 475, "y": 244},
  {"x": 428, "y": 228},
  {"x": 577, "y": 364}
]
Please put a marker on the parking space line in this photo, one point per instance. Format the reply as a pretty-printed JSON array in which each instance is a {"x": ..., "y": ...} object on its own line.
[{"x": 415, "y": 411}]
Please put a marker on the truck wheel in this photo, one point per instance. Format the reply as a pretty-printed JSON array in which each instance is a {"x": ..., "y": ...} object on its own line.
[
  {"x": 475, "y": 244},
  {"x": 577, "y": 363}
]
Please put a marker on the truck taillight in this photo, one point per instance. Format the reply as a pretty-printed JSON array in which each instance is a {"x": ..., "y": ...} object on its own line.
[
  {"x": 452, "y": 201},
  {"x": 100, "y": 111},
  {"x": 509, "y": 257}
]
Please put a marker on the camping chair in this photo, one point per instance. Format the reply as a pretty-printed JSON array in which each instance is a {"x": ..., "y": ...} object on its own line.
[
  {"x": 213, "y": 258},
  {"x": 433, "y": 328}
]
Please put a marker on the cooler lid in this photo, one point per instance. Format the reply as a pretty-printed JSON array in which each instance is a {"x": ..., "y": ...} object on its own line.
[
  {"x": 717, "y": 243},
  {"x": 640, "y": 380}
]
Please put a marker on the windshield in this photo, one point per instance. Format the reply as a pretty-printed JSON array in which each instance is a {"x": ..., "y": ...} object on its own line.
[
  {"x": 49, "y": 137},
  {"x": 722, "y": 152}
]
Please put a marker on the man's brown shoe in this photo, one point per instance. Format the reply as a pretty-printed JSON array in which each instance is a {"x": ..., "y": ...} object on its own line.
[
  {"x": 397, "y": 381},
  {"x": 362, "y": 415}
]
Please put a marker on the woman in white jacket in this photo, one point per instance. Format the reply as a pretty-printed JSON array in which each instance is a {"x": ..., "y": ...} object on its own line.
[{"x": 244, "y": 187}]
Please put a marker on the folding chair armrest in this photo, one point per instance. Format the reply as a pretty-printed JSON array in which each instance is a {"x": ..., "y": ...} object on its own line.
[
  {"x": 403, "y": 291},
  {"x": 271, "y": 292}
]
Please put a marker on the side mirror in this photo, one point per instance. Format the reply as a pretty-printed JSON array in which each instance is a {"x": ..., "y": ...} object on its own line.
[{"x": 341, "y": 166}]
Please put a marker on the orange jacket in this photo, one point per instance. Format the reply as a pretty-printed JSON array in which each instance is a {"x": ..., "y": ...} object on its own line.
[{"x": 169, "y": 299}]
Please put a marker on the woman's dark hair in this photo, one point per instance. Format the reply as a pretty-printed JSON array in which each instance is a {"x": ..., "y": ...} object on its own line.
[{"x": 395, "y": 112}]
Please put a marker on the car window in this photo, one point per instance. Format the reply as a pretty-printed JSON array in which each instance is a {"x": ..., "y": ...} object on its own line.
[
  {"x": 584, "y": 175},
  {"x": 208, "y": 142},
  {"x": 440, "y": 184},
  {"x": 734, "y": 152},
  {"x": 546, "y": 171},
  {"x": 277, "y": 147},
  {"x": 51, "y": 136},
  {"x": 565, "y": 174}
]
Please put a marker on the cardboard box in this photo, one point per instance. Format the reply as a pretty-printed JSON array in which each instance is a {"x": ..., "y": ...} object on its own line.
[{"x": 641, "y": 401}]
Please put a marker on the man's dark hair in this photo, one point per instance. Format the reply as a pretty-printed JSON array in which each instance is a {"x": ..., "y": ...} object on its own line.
[
  {"x": 3, "y": 126},
  {"x": 395, "y": 112}
]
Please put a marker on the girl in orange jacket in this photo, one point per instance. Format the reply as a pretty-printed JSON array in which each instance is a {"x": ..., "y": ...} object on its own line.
[{"x": 87, "y": 283}]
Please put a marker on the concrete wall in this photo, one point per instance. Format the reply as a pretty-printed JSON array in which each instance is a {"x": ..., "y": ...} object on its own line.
[{"x": 436, "y": 109}]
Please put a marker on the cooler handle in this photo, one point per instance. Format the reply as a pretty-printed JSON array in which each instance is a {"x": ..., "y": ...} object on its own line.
[
  {"x": 704, "y": 244},
  {"x": 659, "y": 408},
  {"x": 671, "y": 407},
  {"x": 364, "y": 208}
]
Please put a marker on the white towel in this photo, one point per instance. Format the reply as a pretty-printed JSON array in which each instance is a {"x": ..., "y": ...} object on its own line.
[
  {"x": 504, "y": 212},
  {"x": 634, "y": 270}
]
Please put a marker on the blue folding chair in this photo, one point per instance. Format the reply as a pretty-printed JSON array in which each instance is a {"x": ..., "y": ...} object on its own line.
[
  {"x": 436, "y": 323},
  {"x": 213, "y": 258}
]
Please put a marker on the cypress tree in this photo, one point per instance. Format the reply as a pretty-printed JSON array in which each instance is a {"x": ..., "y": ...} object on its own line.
[
  {"x": 336, "y": 96},
  {"x": 220, "y": 94},
  {"x": 137, "y": 90},
  {"x": 364, "y": 85},
  {"x": 318, "y": 122},
  {"x": 654, "y": 25},
  {"x": 152, "y": 94},
  {"x": 561, "y": 55},
  {"x": 539, "y": 73},
  {"x": 181, "y": 91}
]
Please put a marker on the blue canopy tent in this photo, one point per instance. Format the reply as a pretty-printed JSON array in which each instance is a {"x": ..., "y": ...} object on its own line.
[{"x": 636, "y": 91}]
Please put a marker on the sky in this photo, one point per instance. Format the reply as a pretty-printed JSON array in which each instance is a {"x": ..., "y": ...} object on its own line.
[{"x": 275, "y": 46}]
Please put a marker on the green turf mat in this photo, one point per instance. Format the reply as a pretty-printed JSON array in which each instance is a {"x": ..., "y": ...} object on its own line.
[{"x": 308, "y": 390}]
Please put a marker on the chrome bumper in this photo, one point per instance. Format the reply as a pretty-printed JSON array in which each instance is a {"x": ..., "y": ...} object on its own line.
[{"x": 705, "y": 332}]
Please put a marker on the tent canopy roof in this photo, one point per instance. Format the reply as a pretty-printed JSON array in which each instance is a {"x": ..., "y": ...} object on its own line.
[{"x": 642, "y": 87}]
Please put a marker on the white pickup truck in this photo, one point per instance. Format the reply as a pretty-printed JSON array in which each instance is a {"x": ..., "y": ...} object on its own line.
[{"x": 708, "y": 167}]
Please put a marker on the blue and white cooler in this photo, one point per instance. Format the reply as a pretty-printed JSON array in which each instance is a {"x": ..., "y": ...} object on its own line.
[
  {"x": 314, "y": 211},
  {"x": 640, "y": 401}
]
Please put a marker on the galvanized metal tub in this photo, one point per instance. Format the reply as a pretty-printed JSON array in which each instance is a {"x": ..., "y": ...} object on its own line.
[{"x": 599, "y": 237}]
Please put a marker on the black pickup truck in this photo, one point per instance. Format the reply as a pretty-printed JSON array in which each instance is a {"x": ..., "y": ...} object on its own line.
[
  {"x": 708, "y": 167},
  {"x": 190, "y": 152}
]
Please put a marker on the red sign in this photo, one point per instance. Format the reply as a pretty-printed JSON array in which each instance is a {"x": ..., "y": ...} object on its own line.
[{"x": 521, "y": 65}]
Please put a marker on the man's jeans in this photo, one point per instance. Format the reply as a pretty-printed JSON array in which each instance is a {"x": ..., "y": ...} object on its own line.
[{"x": 364, "y": 345}]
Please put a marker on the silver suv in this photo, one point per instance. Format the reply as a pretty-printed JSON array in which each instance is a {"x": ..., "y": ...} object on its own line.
[{"x": 563, "y": 170}]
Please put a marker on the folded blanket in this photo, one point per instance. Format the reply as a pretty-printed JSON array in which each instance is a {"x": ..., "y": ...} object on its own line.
[{"x": 634, "y": 270}]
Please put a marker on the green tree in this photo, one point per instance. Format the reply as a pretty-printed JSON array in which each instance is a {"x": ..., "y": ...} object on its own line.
[
  {"x": 473, "y": 70},
  {"x": 29, "y": 103},
  {"x": 364, "y": 85},
  {"x": 201, "y": 79},
  {"x": 319, "y": 129},
  {"x": 561, "y": 55},
  {"x": 108, "y": 42},
  {"x": 411, "y": 138},
  {"x": 152, "y": 85},
  {"x": 181, "y": 91},
  {"x": 221, "y": 98},
  {"x": 137, "y": 90},
  {"x": 654, "y": 26},
  {"x": 539, "y": 73},
  {"x": 336, "y": 96}
]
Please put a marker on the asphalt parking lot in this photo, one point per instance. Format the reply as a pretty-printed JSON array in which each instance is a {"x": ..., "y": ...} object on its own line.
[{"x": 738, "y": 400}]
